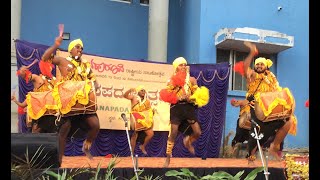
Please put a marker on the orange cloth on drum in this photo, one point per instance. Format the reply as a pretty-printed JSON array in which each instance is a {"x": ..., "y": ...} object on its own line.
[
  {"x": 64, "y": 95},
  {"x": 39, "y": 102},
  {"x": 68, "y": 93},
  {"x": 283, "y": 97},
  {"x": 143, "y": 114},
  {"x": 294, "y": 125}
]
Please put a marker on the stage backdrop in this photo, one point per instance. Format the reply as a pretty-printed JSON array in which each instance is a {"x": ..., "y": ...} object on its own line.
[{"x": 110, "y": 73}]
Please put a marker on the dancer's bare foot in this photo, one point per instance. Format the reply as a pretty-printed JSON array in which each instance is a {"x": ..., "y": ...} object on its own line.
[
  {"x": 251, "y": 160},
  {"x": 143, "y": 149},
  {"x": 86, "y": 149},
  {"x": 167, "y": 162},
  {"x": 188, "y": 145},
  {"x": 273, "y": 150}
]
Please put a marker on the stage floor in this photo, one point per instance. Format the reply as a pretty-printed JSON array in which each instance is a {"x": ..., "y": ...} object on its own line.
[{"x": 157, "y": 162}]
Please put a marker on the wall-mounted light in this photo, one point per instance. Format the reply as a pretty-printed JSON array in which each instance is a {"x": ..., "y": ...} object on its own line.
[{"x": 66, "y": 36}]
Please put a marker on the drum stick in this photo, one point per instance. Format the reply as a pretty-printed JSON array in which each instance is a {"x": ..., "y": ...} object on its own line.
[
  {"x": 61, "y": 29},
  {"x": 36, "y": 60}
]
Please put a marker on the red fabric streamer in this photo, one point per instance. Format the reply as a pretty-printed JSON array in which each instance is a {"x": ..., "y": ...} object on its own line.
[
  {"x": 21, "y": 110},
  {"x": 167, "y": 96},
  {"x": 46, "y": 68},
  {"x": 307, "y": 103},
  {"x": 179, "y": 79},
  {"x": 239, "y": 68},
  {"x": 27, "y": 74},
  {"x": 108, "y": 156}
]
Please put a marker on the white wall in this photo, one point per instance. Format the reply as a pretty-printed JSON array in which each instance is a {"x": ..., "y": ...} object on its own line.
[{"x": 15, "y": 90}]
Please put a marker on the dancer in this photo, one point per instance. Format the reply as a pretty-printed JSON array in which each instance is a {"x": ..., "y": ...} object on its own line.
[
  {"x": 242, "y": 133},
  {"x": 259, "y": 80},
  {"x": 74, "y": 69},
  {"x": 41, "y": 83},
  {"x": 140, "y": 116},
  {"x": 184, "y": 95}
]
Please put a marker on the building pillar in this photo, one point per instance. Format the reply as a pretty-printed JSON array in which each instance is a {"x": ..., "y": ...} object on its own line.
[{"x": 158, "y": 30}]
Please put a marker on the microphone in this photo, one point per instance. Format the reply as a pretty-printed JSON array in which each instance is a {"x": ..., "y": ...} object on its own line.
[
  {"x": 255, "y": 123},
  {"x": 123, "y": 115}
]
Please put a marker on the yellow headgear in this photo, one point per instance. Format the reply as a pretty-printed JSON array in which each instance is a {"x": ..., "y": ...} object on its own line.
[
  {"x": 266, "y": 62},
  {"x": 74, "y": 43},
  {"x": 178, "y": 61},
  {"x": 139, "y": 88}
]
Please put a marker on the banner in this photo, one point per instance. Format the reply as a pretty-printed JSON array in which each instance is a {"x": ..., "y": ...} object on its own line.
[{"x": 115, "y": 77}]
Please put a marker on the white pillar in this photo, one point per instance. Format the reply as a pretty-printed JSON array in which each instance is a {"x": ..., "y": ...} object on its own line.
[
  {"x": 15, "y": 23},
  {"x": 158, "y": 30},
  {"x": 15, "y": 34}
]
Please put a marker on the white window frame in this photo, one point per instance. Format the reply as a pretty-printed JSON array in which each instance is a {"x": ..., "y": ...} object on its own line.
[
  {"x": 233, "y": 59},
  {"x": 122, "y": 1}
]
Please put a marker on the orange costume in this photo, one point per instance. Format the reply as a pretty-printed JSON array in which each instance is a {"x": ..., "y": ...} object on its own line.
[{"x": 142, "y": 114}]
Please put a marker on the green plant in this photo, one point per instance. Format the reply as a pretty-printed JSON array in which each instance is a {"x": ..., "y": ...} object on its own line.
[
  {"x": 26, "y": 169},
  {"x": 147, "y": 177},
  {"x": 186, "y": 174},
  {"x": 109, "y": 171},
  {"x": 29, "y": 168},
  {"x": 67, "y": 175}
]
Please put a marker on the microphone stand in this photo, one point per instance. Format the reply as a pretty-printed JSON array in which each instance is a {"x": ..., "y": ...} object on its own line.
[
  {"x": 134, "y": 161},
  {"x": 258, "y": 137}
]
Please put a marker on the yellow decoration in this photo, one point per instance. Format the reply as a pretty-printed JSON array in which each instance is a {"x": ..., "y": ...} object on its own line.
[
  {"x": 297, "y": 165},
  {"x": 201, "y": 96},
  {"x": 81, "y": 72}
]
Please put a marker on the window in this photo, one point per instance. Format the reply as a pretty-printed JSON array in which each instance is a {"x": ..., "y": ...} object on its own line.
[
  {"x": 236, "y": 81},
  {"x": 144, "y": 2}
]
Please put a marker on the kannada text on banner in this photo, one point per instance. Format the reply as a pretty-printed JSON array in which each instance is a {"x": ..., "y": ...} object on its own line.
[{"x": 115, "y": 77}]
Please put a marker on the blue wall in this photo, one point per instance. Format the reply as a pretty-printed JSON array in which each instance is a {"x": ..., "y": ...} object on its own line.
[
  {"x": 292, "y": 64},
  {"x": 120, "y": 30},
  {"x": 106, "y": 28}
]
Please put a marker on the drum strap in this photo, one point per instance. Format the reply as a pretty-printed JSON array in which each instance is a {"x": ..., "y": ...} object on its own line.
[
  {"x": 58, "y": 118},
  {"x": 258, "y": 86},
  {"x": 251, "y": 97}
]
